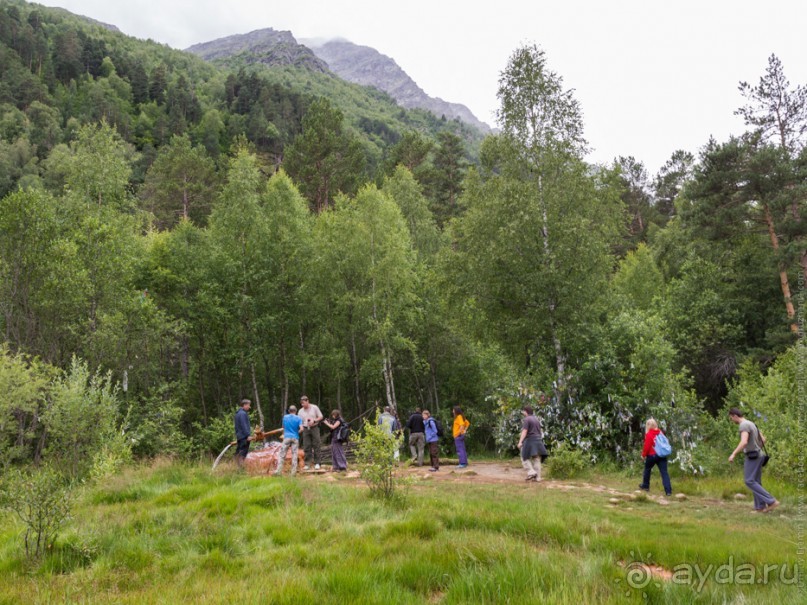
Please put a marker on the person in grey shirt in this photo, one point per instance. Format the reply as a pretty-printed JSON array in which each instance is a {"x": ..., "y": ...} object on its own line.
[
  {"x": 311, "y": 417},
  {"x": 531, "y": 444},
  {"x": 751, "y": 442}
]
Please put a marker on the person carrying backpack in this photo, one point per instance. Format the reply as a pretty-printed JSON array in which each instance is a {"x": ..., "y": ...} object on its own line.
[
  {"x": 655, "y": 452},
  {"x": 338, "y": 459},
  {"x": 432, "y": 439}
]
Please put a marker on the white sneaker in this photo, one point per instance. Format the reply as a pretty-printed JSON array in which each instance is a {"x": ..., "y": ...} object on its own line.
[
  {"x": 306, "y": 468},
  {"x": 316, "y": 467}
]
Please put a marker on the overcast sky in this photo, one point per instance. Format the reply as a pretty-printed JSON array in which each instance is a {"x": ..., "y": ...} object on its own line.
[{"x": 651, "y": 76}]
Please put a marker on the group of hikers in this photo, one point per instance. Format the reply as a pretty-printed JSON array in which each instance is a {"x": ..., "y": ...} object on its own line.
[{"x": 425, "y": 431}]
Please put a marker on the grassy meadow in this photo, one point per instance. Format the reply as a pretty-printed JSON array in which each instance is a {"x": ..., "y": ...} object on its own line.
[{"x": 175, "y": 533}]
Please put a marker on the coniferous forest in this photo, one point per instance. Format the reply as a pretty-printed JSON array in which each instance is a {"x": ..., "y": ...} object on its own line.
[{"x": 176, "y": 235}]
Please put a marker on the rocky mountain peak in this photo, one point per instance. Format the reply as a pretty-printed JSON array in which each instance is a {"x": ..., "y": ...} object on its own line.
[
  {"x": 267, "y": 46},
  {"x": 368, "y": 67}
]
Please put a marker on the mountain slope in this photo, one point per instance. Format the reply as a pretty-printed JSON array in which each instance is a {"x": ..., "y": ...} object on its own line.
[
  {"x": 366, "y": 66},
  {"x": 265, "y": 46}
]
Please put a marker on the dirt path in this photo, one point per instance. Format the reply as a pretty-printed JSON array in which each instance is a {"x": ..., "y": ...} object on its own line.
[{"x": 510, "y": 473}]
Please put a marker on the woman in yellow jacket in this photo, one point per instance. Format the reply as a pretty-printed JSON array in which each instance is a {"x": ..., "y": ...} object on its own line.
[{"x": 458, "y": 430}]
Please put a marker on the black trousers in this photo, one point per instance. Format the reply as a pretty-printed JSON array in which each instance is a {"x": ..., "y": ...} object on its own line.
[{"x": 242, "y": 449}]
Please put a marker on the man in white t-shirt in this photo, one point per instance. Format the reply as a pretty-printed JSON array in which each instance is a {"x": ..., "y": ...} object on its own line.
[{"x": 311, "y": 417}]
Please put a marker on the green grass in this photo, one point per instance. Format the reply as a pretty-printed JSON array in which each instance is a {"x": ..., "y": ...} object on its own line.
[{"x": 175, "y": 533}]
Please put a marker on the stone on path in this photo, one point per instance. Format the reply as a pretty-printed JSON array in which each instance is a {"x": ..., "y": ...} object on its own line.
[{"x": 740, "y": 497}]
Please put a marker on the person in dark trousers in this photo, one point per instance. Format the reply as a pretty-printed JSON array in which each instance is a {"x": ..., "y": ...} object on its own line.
[
  {"x": 751, "y": 443},
  {"x": 417, "y": 436},
  {"x": 311, "y": 417},
  {"x": 338, "y": 459},
  {"x": 432, "y": 439},
  {"x": 651, "y": 458},
  {"x": 243, "y": 432},
  {"x": 459, "y": 428}
]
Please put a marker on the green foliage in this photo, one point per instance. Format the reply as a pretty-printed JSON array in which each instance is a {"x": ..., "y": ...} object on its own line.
[
  {"x": 375, "y": 456},
  {"x": 638, "y": 282},
  {"x": 215, "y": 435},
  {"x": 774, "y": 401},
  {"x": 24, "y": 388},
  {"x": 324, "y": 159},
  {"x": 81, "y": 418},
  {"x": 565, "y": 462},
  {"x": 153, "y": 425},
  {"x": 42, "y": 500}
]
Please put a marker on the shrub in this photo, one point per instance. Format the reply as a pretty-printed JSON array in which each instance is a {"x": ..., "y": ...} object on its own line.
[
  {"x": 775, "y": 402},
  {"x": 565, "y": 462},
  {"x": 215, "y": 435},
  {"x": 152, "y": 425},
  {"x": 375, "y": 456},
  {"x": 81, "y": 418},
  {"x": 42, "y": 501},
  {"x": 24, "y": 387}
]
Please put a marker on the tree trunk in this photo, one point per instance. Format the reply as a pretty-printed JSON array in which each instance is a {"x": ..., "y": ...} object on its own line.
[
  {"x": 255, "y": 393},
  {"x": 355, "y": 361},
  {"x": 560, "y": 358},
  {"x": 783, "y": 279},
  {"x": 285, "y": 375},
  {"x": 302, "y": 362},
  {"x": 433, "y": 369}
]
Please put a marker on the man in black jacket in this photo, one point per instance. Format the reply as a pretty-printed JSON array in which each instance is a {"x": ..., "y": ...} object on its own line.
[
  {"x": 417, "y": 437},
  {"x": 243, "y": 432}
]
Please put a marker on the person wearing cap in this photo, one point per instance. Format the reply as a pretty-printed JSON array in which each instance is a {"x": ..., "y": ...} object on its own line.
[
  {"x": 292, "y": 425},
  {"x": 243, "y": 432},
  {"x": 751, "y": 444},
  {"x": 311, "y": 417}
]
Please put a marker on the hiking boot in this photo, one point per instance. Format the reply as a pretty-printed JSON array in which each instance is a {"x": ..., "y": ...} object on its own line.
[
  {"x": 642, "y": 487},
  {"x": 771, "y": 506},
  {"x": 306, "y": 468},
  {"x": 432, "y": 470},
  {"x": 316, "y": 467},
  {"x": 462, "y": 466}
]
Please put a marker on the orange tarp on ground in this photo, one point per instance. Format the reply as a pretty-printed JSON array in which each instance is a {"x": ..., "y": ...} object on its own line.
[{"x": 264, "y": 461}]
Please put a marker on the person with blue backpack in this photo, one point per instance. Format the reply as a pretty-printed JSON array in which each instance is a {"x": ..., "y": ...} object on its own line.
[{"x": 655, "y": 453}]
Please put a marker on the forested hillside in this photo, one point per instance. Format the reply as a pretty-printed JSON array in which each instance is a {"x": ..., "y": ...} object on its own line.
[{"x": 176, "y": 235}]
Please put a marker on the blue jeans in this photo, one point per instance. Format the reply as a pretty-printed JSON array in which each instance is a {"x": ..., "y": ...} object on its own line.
[{"x": 649, "y": 463}]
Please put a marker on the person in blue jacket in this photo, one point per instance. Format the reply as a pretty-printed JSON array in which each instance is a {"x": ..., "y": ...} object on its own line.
[
  {"x": 432, "y": 439},
  {"x": 243, "y": 432}
]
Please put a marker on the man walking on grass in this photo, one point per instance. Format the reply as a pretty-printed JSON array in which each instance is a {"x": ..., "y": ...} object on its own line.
[{"x": 751, "y": 444}]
